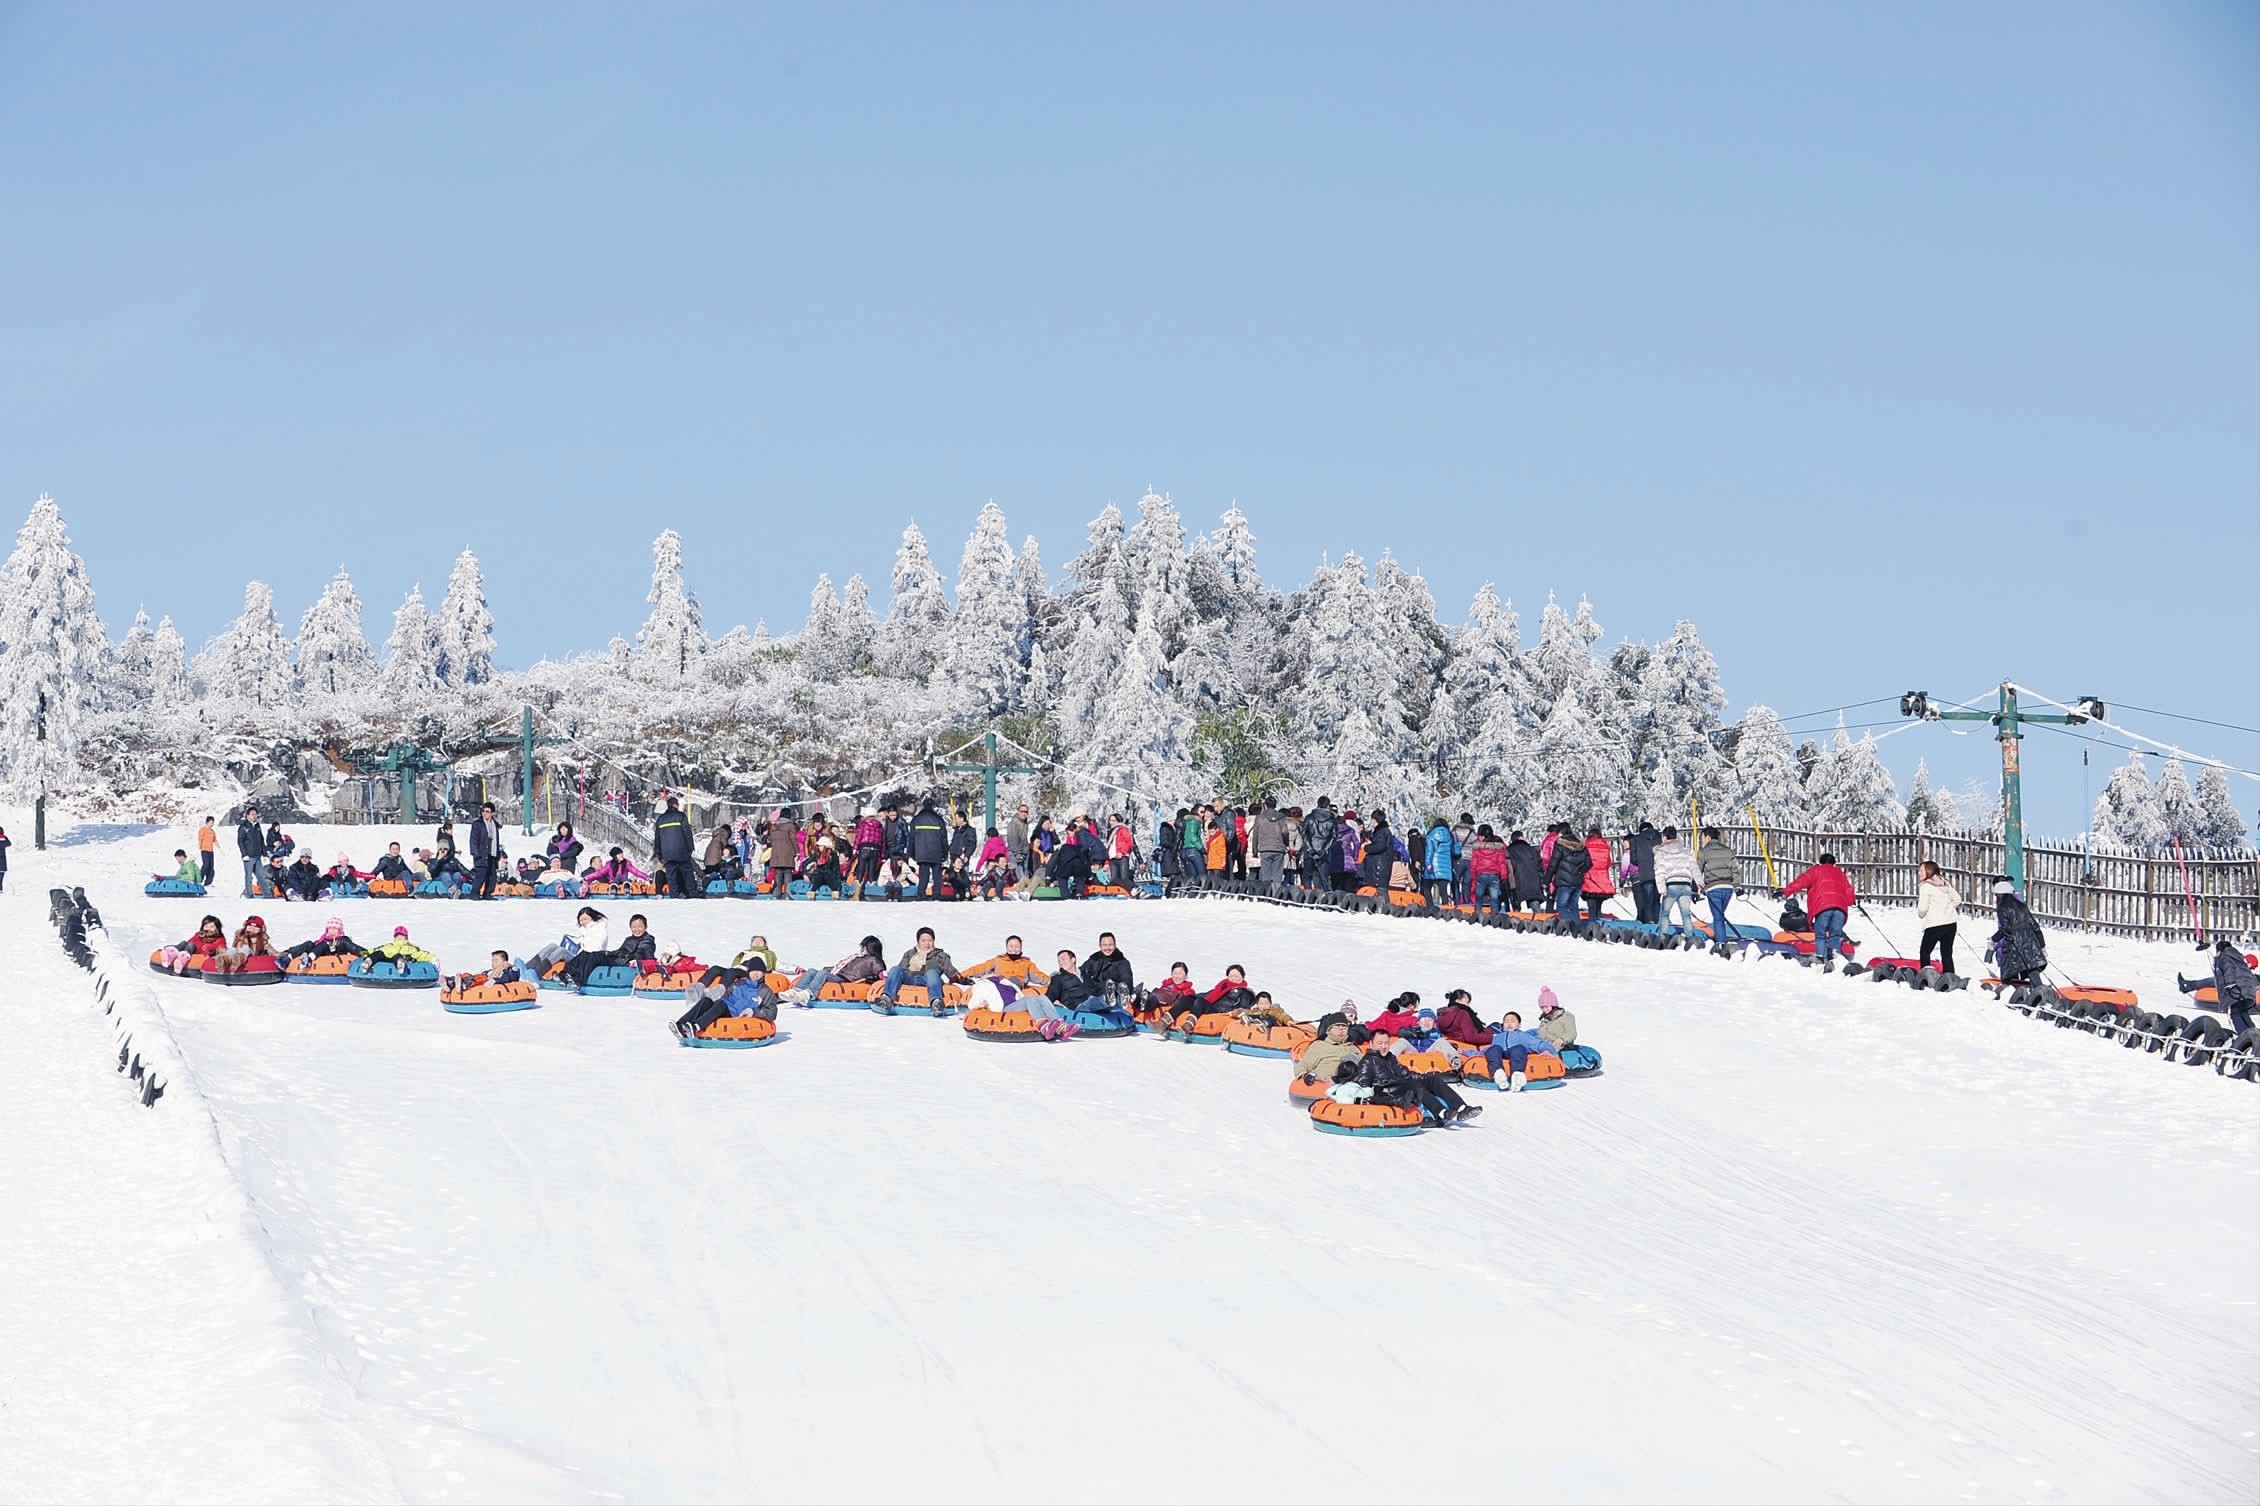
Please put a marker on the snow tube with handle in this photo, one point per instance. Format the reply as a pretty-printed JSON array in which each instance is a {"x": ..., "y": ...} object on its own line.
[
  {"x": 257, "y": 972},
  {"x": 364, "y": 973},
  {"x": 1002, "y": 1025},
  {"x": 558, "y": 889},
  {"x": 388, "y": 888},
  {"x": 1255, "y": 1038},
  {"x": 735, "y": 1032},
  {"x": 1366, "y": 1121},
  {"x": 329, "y": 970},
  {"x": 1305, "y": 1090},
  {"x": 1540, "y": 1071},
  {"x": 1427, "y": 1061},
  {"x": 490, "y": 998},
  {"x": 1580, "y": 1061},
  {"x": 1203, "y": 1029},
  {"x": 441, "y": 889},
  {"x": 354, "y": 889},
  {"x": 667, "y": 983},
  {"x": 913, "y": 996},
  {"x": 612, "y": 981},
  {"x": 838, "y": 995},
  {"x": 190, "y": 966},
  {"x": 172, "y": 888},
  {"x": 1101, "y": 1024}
]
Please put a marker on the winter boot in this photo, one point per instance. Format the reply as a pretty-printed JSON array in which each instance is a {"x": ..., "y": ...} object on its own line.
[
  {"x": 1467, "y": 1113},
  {"x": 1503, "y": 1078},
  {"x": 1514, "y": 1084},
  {"x": 1049, "y": 1030},
  {"x": 1068, "y": 1030},
  {"x": 940, "y": 1006}
]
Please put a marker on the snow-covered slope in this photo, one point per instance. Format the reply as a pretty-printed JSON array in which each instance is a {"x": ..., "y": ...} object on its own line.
[{"x": 1806, "y": 1238}]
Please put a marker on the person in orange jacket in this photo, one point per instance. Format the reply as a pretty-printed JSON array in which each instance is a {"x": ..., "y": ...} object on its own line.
[
  {"x": 1598, "y": 886},
  {"x": 1011, "y": 965}
]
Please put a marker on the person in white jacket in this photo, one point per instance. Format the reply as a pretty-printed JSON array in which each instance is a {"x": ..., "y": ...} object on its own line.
[
  {"x": 1938, "y": 908},
  {"x": 1679, "y": 876},
  {"x": 589, "y": 934}
]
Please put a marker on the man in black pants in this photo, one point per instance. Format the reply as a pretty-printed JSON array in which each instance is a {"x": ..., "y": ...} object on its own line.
[
  {"x": 486, "y": 852},
  {"x": 929, "y": 848},
  {"x": 671, "y": 849}
]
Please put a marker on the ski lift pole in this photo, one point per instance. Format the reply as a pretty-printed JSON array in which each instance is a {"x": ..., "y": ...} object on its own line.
[
  {"x": 1773, "y": 881},
  {"x": 2189, "y": 895}
]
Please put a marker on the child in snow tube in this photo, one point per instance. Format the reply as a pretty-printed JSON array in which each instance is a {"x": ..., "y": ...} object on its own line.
[
  {"x": 500, "y": 970},
  {"x": 251, "y": 951},
  {"x": 196, "y": 953},
  {"x": 1511, "y": 1047},
  {"x": 750, "y": 995},
  {"x": 186, "y": 870},
  {"x": 399, "y": 950},
  {"x": 333, "y": 942}
]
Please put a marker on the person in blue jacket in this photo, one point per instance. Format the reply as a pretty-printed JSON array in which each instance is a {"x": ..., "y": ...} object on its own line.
[
  {"x": 1441, "y": 863},
  {"x": 1511, "y": 1049}
]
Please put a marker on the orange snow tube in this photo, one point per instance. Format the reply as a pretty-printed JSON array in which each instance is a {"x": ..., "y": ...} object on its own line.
[
  {"x": 490, "y": 993},
  {"x": 2117, "y": 998},
  {"x": 1001, "y": 1024},
  {"x": 318, "y": 967},
  {"x": 1205, "y": 1029},
  {"x": 667, "y": 983},
  {"x": 1366, "y": 1120},
  {"x": 1261, "y": 1038},
  {"x": 859, "y": 993},
  {"x": 913, "y": 996},
  {"x": 1426, "y": 1061},
  {"x": 740, "y": 1027},
  {"x": 1306, "y": 1090},
  {"x": 388, "y": 888}
]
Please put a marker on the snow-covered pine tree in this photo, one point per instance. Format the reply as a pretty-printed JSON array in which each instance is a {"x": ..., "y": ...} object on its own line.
[
  {"x": 1234, "y": 547},
  {"x": 672, "y": 639},
  {"x": 2178, "y": 811},
  {"x": 824, "y": 649},
  {"x": 1768, "y": 772},
  {"x": 1160, "y": 575},
  {"x": 918, "y": 617},
  {"x": 859, "y": 629},
  {"x": 1930, "y": 810},
  {"x": 1580, "y": 777},
  {"x": 1035, "y": 609},
  {"x": 1482, "y": 691},
  {"x": 411, "y": 671},
  {"x": 980, "y": 658},
  {"x": 1679, "y": 702},
  {"x": 465, "y": 626},
  {"x": 1663, "y": 802},
  {"x": 1416, "y": 640},
  {"x": 2222, "y": 824},
  {"x": 1231, "y": 646},
  {"x": 251, "y": 660},
  {"x": 1561, "y": 658},
  {"x": 2127, "y": 813},
  {"x": 333, "y": 655},
  {"x": 52, "y": 653},
  {"x": 1090, "y": 653},
  {"x": 1860, "y": 795},
  {"x": 168, "y": 668},
  {"x": 131, "y": 670},
  {"x": 1346, "y": 718},
  {"x": 1140, "y": 734}
]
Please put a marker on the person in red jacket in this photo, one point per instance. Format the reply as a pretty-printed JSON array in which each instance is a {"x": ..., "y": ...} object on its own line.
[
  {"x": 1487, "y": 870},
  {"x": 1598, "y": 886},
  {"x": 1829, "y": 896},
  {"x": 1457, "y": 1021},
  {"x": 1401, "y": 1015},
  {"x": 1172, "y": 997},
  {"x": 1230, "y": 994}
]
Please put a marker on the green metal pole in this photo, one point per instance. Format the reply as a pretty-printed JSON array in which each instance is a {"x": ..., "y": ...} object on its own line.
[
  {"x": 408, "y": 791},
  {"x": 2012, "y": 789},
  {"x": 526, "y": 788},
  {"x": 989, "y": 783}
]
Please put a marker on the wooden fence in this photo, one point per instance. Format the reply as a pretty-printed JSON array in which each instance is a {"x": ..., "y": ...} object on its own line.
[{"x": 2148, "y": 893}]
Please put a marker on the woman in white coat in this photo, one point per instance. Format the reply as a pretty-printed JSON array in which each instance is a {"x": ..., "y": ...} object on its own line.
[{"x": 1938, "y": 908}]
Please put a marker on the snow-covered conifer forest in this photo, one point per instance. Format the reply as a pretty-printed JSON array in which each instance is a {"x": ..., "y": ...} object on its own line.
[{"x": 1158, "y": 666}]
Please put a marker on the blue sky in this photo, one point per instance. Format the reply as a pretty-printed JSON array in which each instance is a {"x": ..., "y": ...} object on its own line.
[{"x": 1896, "y": 346}]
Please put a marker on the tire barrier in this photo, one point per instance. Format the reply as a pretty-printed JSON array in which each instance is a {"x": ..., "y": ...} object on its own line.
[{"x": 147, "y": 1059}]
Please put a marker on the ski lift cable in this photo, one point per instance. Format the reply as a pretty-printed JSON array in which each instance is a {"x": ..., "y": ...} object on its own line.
[
  {"x": 2103, "y": 742},
  {"x": 2200, "y": 720},
  {"x": 2164, "y": 747}
]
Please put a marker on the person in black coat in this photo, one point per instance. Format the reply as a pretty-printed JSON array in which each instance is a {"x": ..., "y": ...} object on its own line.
[
  {"x": 3, "y": 857},
  {"x": 1109, "y": 965},
  {"x": 1321, "y": 830},
  {"x": 2020, "y": 951},
  {"x": 1070, "y": 869},
  {"x": 672, "y": 841},
  {"x": 1394, "y": 1084},
  {"x": 1641, "y": 856},
  {"x": 1526, "y": 877},
  {"x": 1565, "y": 875},
  {"x": 565, "y": 847},
  {"x": 251, "y": 846},
  {"x": 929, "y": 848},
  {"x": 1168, "y": 842},
  {"x": 486, "y": 852},
  {"x": 965, "y": 845},
  {"x": 1380, "y": 853}
]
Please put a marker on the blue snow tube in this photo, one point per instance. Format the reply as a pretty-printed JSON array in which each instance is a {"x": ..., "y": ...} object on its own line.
[
  {"x": 351, "y": 889},
  {"x": 368, "y": 973},
  {"x": 717, "y": 888},
  {"x": 558, "y": 889},
  {"x": 436, "y": 889},
  {"x": 745, "y": 889},
  {"x": 173, "y": 888},
  {"x": 1101, "y": 1024},
  {"x": 510, "y": 1006},
  {"x": 1580, "y": 1061},
  {"x": 614, "y": 981},
  {"x": 734, "y": 1043}
]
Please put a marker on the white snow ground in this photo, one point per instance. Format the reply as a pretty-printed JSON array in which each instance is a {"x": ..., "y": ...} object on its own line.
[{"x": 1807, "y": 1239}]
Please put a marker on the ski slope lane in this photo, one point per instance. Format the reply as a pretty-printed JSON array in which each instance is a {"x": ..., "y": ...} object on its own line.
[{"x": 1806, "y": 1238}]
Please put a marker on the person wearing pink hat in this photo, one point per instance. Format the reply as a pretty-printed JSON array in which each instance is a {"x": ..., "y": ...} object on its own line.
[
  {"x": 333, "y": 942},
  {"x": 1555, "y": 1023}
]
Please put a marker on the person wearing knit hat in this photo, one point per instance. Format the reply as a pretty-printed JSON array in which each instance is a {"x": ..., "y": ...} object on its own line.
[
  {"x": 333, "y": 942},
  {"x": 1555, "y": 1023}
]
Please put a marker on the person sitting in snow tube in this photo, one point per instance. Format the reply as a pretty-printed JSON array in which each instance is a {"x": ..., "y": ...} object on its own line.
[
  {"x": 991, "y": 997},
  {"x": 342, "y": 874},
  {"x": 1108, "y": 973},
  {"x": 1174, "y": 996},
  {"x": 1512, "y": 1047},
  {"x": 589, "y": 934},
  {"x": 615, "y": 870},
  {"x": 1066, "y": 988},
  {"x": 1011, "y": 964},
  {"x": 448, "y": 869},
  {"x": 1422, "y": 1036},
  {"x": 196, "y": 953},
  {"x": 564, "y": 848},
  {"x": 639, "y": 945},
  {"x": 1391, "y": 1083},
  {"x": 500, "y": 970},
  {"x": 758, "y": 960},
  {"x": 333, "y": 942},
  {"x": 399, "y": 951},
  {"x": 824, "y": 872},
  {"x": 559, "y": 873},
  {"x": 303, "y": 879},
  {"x": 391, "y": 866},
  {"x": 1333, "y": 1056},
  {"x": 924, "y": 962},
  {"x": 1265, "y": 1010},
  {"x": 186, "y": 870},
  {"x": 1399, "y": 1014},
  {"x": 748, "y": 995},
  {"x": 1458, "y": 1022},
  {"x": 1230, "y": 994},
  {"x": 866, "y": 964},
  {"x": 252, "y": 950}
]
